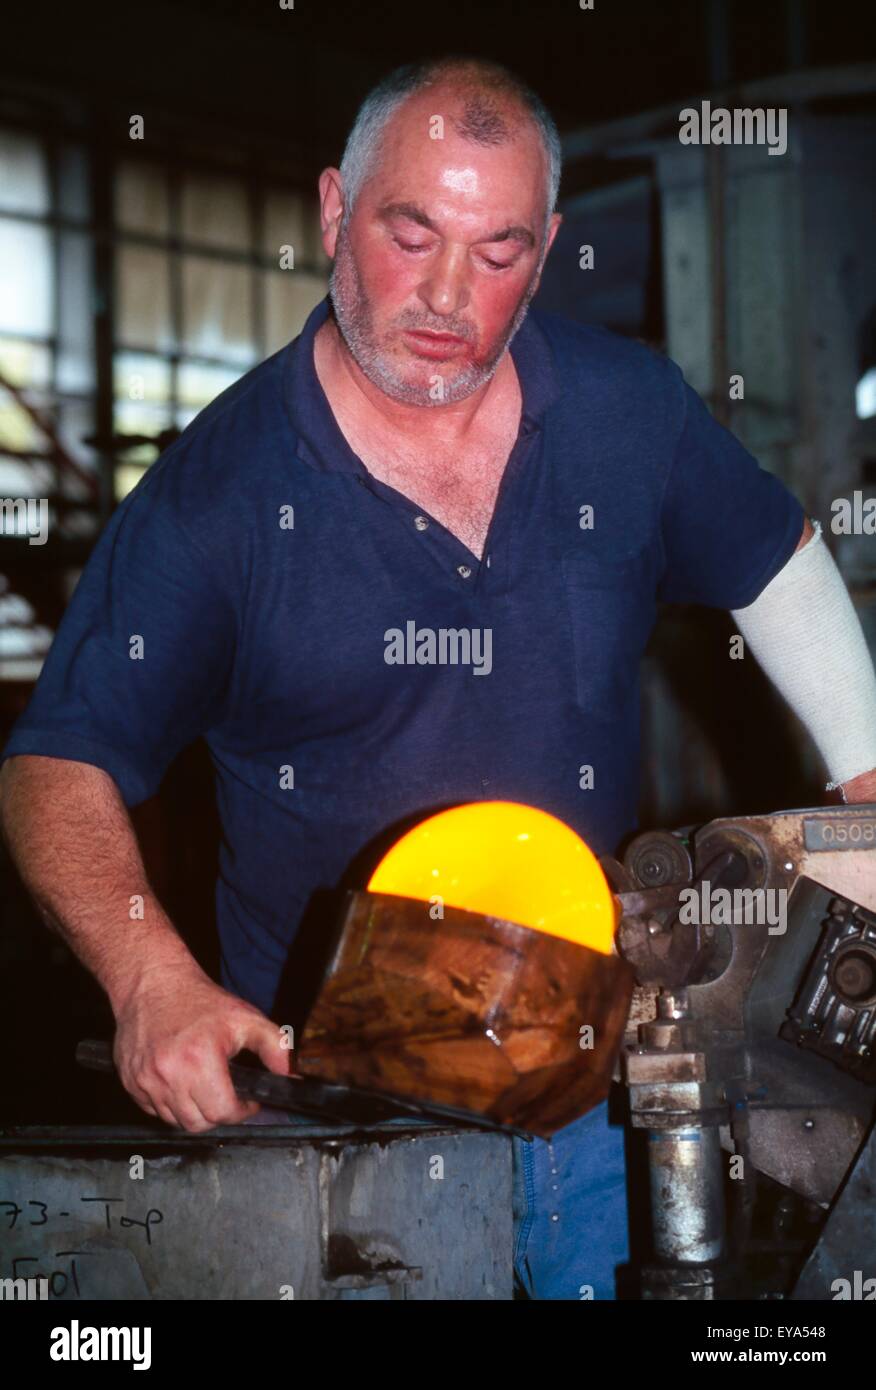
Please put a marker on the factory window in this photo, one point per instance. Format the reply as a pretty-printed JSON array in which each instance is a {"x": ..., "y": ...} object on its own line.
[
  {"x": 200, "y": 294},
  {"x": 46, "y": 350},
  {"x": 48, "y": 485},
  {"x": 27, "y": 299}
]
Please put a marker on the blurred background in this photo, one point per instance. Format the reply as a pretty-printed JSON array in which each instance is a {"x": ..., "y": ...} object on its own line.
[{"x": 140, "y": 277}]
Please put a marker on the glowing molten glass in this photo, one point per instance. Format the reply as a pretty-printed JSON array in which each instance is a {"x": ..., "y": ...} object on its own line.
[{"x": 509, "y": 861}]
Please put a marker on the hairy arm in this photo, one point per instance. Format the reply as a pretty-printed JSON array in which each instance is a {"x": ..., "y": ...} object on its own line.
[{"x": 70, "y": 835}]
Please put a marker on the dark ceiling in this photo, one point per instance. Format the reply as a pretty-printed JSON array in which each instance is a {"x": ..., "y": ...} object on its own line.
[{"x": 297, "y": 75}]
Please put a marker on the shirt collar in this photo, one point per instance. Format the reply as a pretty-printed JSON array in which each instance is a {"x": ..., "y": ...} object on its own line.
[{"x": 321, "y": 442}]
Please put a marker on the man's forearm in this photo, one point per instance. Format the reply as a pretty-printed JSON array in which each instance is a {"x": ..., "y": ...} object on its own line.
[
  {"x": 71, "y": 837},
  {"x": 804, "y": 631}
]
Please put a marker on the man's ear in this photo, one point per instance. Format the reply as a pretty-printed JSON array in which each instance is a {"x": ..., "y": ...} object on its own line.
[
  {"x": 331, "y": 208},
  {"x": 553, "y": 228}
]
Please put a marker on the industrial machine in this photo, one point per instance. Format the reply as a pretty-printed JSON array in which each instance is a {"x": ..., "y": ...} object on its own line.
[{"x": 751, "y": 1053}]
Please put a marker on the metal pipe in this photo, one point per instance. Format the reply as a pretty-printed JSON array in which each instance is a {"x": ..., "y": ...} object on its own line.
[{"x": 687, "y": 1197}]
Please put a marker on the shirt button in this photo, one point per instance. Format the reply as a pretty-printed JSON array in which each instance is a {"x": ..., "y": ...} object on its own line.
[
  {"x": 421, "y": 522},
  {"x": 464, "y": 571}
]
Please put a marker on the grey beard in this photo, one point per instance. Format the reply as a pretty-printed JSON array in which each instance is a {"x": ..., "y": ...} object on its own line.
[{"x": 355, "y": 322}]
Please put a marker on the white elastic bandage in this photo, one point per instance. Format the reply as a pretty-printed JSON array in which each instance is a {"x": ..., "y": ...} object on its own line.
[{"x": 805, "y": 633}]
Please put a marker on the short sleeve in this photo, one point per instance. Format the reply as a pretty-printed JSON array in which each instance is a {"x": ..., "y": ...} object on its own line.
[
  {"x": 728, "y": 526},
  {"x": 142, "y": 660}
]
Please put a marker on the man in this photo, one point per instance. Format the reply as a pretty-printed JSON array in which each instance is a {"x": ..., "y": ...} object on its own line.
[{"x": 411, "y": 457}]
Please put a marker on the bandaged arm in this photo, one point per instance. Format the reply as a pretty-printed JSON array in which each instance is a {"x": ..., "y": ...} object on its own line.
[{"x": 807, "y": 637}]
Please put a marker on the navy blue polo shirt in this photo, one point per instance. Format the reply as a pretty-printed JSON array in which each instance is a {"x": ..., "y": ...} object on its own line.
[{"x": 352, "y": 666}]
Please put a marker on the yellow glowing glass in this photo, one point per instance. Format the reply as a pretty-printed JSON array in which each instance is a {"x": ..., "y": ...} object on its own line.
[{"x": 505, "y": 860}]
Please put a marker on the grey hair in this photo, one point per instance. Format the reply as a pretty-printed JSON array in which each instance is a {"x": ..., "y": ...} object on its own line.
[{"x": 485, "y": 84}]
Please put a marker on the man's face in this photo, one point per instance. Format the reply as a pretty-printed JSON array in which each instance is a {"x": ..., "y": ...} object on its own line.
[{"x": 436, "y": 266}]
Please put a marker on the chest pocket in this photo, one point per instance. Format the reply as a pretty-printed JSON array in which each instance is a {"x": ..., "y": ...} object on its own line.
[{"x": 611, "y": 610}]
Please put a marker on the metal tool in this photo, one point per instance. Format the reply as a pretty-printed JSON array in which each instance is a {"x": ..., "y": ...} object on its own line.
[{"x": 308, "y": 1096}]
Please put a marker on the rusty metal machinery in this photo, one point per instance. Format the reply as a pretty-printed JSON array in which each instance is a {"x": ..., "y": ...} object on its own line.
[{"x": 750, "y": 1056}]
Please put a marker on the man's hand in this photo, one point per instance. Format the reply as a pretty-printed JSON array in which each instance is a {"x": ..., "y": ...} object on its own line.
[
  {"x": 175, "y": 1034},
  {"x": 861, "y": 788}
]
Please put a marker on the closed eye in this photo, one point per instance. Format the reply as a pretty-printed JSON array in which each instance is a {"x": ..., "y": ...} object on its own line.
[{"x": 411, "y": 246}]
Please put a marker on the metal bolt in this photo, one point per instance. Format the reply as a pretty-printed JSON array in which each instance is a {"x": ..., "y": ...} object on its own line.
[{"x": 672, "y": 1004}]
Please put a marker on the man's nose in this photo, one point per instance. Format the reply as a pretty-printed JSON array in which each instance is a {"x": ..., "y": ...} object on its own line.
[{"x": 445, "y": 289}]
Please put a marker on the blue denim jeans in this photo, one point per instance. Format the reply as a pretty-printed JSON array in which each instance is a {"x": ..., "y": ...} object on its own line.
[{"x": 570, "y": 1210}]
